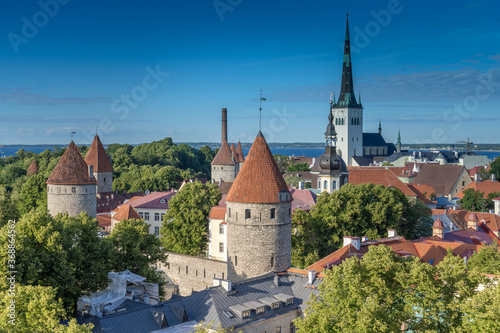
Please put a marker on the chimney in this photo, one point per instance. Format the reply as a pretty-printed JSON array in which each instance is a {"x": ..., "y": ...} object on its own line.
[
  {"x": 226, "y": 284},
  {"x": 391, "y": 233},
  {"x": 216, "y": 282},
  {"x": 311, "y": 275},
  {"x": 347, "y": 241},
  {"x": 477, "y": 178},
  {"x": 355, "y": 241},
  {"x": 364, "y": 239},
  {"x": 277, "y": 280},
  {"x": 224, "y": 125},
  {"x": 91, "y": 171},
  {"x": 493, "y": 177}
]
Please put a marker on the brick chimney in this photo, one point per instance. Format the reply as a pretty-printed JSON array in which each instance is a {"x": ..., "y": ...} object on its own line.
[{"x": 224, "y": 125}]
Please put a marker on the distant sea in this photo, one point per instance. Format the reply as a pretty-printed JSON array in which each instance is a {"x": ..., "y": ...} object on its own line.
[{"x": 309, "y": 152}]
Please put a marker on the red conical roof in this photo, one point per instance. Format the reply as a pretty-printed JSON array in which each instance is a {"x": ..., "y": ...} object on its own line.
[
  {"x": 33, "y": 168},
  {"x": 126, "y": 212},
  {"x": 223, "y": 156},
  {"x": 97, "y": 157},
  {"x": 71, "y": 169},
  {"x": 239, "y": 151},
  {"x": 259, "y": 180}
]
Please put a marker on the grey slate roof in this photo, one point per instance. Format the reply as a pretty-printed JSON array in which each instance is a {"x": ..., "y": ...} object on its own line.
[
  {"x": 373, "y": 140},
  {"x": 210, "y": 304}
]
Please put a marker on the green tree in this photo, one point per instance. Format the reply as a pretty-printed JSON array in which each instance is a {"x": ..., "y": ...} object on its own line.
[
  {"x": 8, "y": 207},
  {"x": 36, "y": 310},
  {"x": 138, "y": 250},
  {"x": 495, "y": 168},
  {"x": 482, "y": 310},
  {"x": 473, "y": 200},
  {"x": 298, "y": 167},
  {"x": 283, "y": 162},
  {"x": 303, "y": 251},
  {"x": 487, "y": 260},
  {"x": 185, "y": 225},
  {"x": 33, "y": 194},
  {"x": 365, "y": 210}
]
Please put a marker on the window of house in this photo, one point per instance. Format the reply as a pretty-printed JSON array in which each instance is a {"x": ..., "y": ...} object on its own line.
[
  {"x": 292, "y": 328},
  {"x": 146, "y": 216},
  {"x": 104, "y": 179},
  {"x": 247, "y": 213},
  {"x": 260, "y": 310},
  {"x": 186, "y": 269},
  {"x": 157, "y": 216},
  {"x": 289, "y": 301},
  {"x": 221, "y": 228},
  {"x": 141, "y": 214},
  {"x": 221, "y": 247},
  {"x": 229, "y": 212},
  {"x": 161, "y": 216},
  {"x": 276, "y": 305},
  {"x": 273, "y": 213},
  {"x": 245, "y": 314},
  {"x": 325, "y": 185},
  {"x": 235, "y": 260},
  {"x": 157, "y": 231},
  {"x": 73, "y": 189}
]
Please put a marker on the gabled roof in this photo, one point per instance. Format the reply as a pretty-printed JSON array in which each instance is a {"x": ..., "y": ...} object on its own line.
[
  {"x": 239, "y": 151},
  {"x": 71, "y": 169},
  {"x": 378, "y": 176},
  {"x": 373, "y": 140},
  {"x": 436, "y": 174},
  {"x": 97, "y": 157},
  {"x": 224, "y": 155},
  {"x": 305, "y": 196},
  {"x": 485, "y": 186},
  {"x": 33, "y": 168},
  {"x": 224, "y": 187},
  {"x": 155, "y": 200},
  {"x": 259, "y": 180},
  {"x": 126, "y": 212}
]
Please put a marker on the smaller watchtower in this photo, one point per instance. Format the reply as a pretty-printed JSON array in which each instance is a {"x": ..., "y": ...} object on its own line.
[{"x": 103, "y": 170}]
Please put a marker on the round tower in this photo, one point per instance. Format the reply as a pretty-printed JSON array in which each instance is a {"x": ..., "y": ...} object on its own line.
[
  {"x": 71, "y": 186},
  {"x": 103, "y": 170},
  {"x": 258, "y": 217}
]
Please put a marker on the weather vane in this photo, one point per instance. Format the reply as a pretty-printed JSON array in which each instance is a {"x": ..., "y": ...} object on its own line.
[
  {"x": 260, "y": 109},
  {"x": 72, "y": 134}
]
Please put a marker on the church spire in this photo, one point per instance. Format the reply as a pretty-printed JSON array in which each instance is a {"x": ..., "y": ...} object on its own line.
[
  {"x": 398, "y": 144},
  {"x": 346, "y": 96},
  {"x": 379, "y": 127}
]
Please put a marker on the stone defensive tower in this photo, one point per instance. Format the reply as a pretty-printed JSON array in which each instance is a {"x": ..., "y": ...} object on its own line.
[
  {"x": 258, "y": 217},
  {"x": 71, "y": 187},
  {"x": 103, "y": 170}
]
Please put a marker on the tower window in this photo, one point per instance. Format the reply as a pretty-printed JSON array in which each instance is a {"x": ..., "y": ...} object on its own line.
[
  {"x": 247, "y": 213},
  {"x": 272, "y": 261},
  {"x": 325, "y": 185},
  {"x": 221, "y": 228},
  {"x": 273, "y": 213},
  {"x": 235, "y": 260},
  {"x": 104, "y": 179},
  {"x": 73, "y": 189},
  {"x": 229, "y": 212}
]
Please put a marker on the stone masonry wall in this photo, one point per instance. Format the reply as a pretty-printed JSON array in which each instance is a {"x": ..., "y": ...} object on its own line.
[
  {"x": 104, "y": 181},
  {"x": 259, "y": 244},
  {"x": 225, "y": 172},
  {"x": 193, "y": 273},
  {"x": 61, "y": 199}
]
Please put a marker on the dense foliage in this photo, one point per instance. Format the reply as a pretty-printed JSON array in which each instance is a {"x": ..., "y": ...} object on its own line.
[
  {"x": 185, "y": 225},
  {"x": 386, "y": 293},
  {"x": 475, "y": 200},
  {"x": 286, "y": 163},
  {"x": 355, "y": 210}
]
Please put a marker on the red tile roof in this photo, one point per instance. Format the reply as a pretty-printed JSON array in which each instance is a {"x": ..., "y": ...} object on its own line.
[
  {"x": 33, "y": 168},
  {"x": 224, "y": 187},
  {"x": 104, "y": 220},
  {"x": 224, "y": 155},
  {"x": 485, "y": 186},
  {"x": 305, "y": 196},
  {"x": 97, "y": 157},
  {"x": 259, "y": 180},
  {"x": 423, "y": 192},
  {"x": 377, "y": 176},
  {"x": 71, "y": 169},
  {"x": 126, "y": 212},
  {"x": 239, "y": 151},
  {"x": 438, "y": 224}
]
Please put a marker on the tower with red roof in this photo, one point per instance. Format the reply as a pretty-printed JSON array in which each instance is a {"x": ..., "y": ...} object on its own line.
[
  {"x": 103, "y": 170},
  {"x": 71, "y": 187},
  {"x": 258, "y": 217}
]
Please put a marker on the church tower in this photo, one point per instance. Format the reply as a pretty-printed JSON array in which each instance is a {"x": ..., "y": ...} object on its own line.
[
  {"x": 333, "y": 172},
  {"x": 71, "y": 187},
  {"x": 347, "y": 112},
  {"x": 258, "y": 217},
  {"x": 103, "y": 170}
]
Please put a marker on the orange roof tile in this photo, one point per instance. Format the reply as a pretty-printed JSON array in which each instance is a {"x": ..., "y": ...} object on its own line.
[
  {"x": 485, "y": 186},
  {"x": 71, "y": 169},
  {"x": 259, "y": 180},
  {"x": 126, "y": 212},
  {"x": 239, "y": 151},
  {"x": 218, "y": 213},
  {"x": 97, "y": 157},
  {"x": 378, "y": 176},
  {"x": 224, "y": 155},
  {"x": 224, "y": 187},
  {"x": 33, "y": 168}
]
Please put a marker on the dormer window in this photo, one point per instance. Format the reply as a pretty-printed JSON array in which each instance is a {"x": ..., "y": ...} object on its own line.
[
  {"x": 246, "y": 314},
  {"x": 162, "y": 201},
  {"x": 284, "y": 196}
]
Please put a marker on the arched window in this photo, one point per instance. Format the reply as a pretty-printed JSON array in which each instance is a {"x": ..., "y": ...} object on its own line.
[
  {"x": 319, "y": 184},
  {"x": 334, "y": 185},
  {"x": 343, "y": 121},
  {"x": 354, "y": 151},
  {"x": 325, "y": 185}
]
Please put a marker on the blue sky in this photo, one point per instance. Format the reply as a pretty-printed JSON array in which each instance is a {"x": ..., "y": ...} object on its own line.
[{"x": 139, "y": 71}]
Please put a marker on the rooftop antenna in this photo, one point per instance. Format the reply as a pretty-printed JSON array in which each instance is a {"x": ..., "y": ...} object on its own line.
[
  {"x": 72, "y": 135},
  {"x": 260, "y": 109}
]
